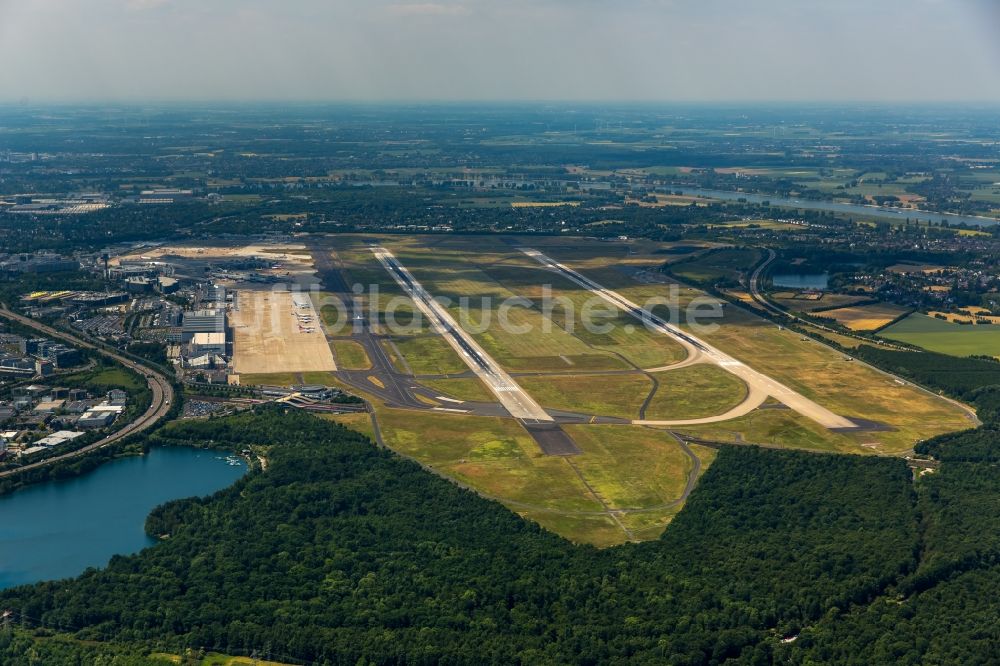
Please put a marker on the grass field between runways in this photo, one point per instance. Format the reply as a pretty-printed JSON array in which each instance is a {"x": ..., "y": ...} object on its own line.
[
  {"x": 350, "y": 355},
  {"x": 694, "y": 392},
  {"x": 600, "y": 395}
]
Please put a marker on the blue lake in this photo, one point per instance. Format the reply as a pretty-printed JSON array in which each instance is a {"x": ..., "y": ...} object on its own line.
[
  {"x": 801, "y": 280},
  {"x": 58, "y": 529}
]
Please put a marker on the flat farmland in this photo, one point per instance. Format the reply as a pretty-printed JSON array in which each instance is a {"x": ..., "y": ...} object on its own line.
[
  {"x": 945, "y": 337},
  {"x": 864, "y": 317},
  {"x": 269, "y": 337},
  {"x": 800, "y": 303}
]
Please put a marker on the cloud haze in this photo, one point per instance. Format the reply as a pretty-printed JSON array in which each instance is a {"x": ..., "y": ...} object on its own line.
[{"x": 657, "y": 50}]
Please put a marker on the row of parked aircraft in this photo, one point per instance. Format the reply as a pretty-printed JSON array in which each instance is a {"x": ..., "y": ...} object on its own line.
[{"x": 305, "y": 319}]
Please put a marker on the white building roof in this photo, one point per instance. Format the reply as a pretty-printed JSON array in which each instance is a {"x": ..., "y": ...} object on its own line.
[
  {"x": 58, "y": 438},
  {"x": 209, "y": 339}
]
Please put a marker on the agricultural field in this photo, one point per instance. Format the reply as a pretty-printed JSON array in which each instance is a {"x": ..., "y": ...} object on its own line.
[
  {"x": 968, "y": 315},
  {"x": 946, "y": 337},
  {"x": 809, "y": 302},
  {"x": 269, "y": 379},
  {"x": 864, "y": 317}
]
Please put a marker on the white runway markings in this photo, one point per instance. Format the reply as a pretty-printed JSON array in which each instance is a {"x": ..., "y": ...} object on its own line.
[
  {"x": 508, "y": 393},
  {"x": 759, "y": 383}
]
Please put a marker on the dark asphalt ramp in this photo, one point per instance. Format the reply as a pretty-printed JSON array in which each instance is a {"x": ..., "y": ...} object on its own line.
[{"x": 552, "y": 439}]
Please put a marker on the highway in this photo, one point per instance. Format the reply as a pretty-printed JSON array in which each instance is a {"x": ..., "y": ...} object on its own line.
[
  {"x": 162, "y": 391},
  {"x": 514, "y": 399},
  {"x": 760, "y": 385}
]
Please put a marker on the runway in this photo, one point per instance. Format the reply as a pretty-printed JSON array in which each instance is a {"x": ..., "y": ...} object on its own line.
[
  {"x": 760, "y": 385},
  {"x": 514, "y": 399}
]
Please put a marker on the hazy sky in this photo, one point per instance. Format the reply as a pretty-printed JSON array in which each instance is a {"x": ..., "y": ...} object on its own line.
[{"x": 929, "y": 50}]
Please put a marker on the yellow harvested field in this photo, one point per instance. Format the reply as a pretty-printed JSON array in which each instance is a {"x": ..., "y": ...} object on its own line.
[
  {"x": 864, "y": 317},
  {"x": 277, "y": 331},
  {"x": 968, "y": 315}
]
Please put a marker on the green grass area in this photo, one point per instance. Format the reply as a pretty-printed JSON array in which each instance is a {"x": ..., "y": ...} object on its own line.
[
  {"x": 601, "y": 395},
  {"x": 430, "y": 355},
  {"x": 103, "y": 379},
  {"x": 787, "y": 299},
  {"x": 945, "y": 337},
  {"x": 631, "y": 468},
  {"x": 321, "y": 377},
  {"x": 529, "y": 342},
  {"x": 695, "y": 391},
  {"x": 818, "y": 372},
  {"x": 463, "y": 388},
  {"x": 628, "y": 468},
  {"x": 493, "y": 455},
  {"x": 359, "y": 422},
  {"x": 333, "y": 318},
  {"x": 269, "y": 379},
  {"x": 518, "y": 336},
  {"x": 774, "y": 427},
  {"x": 350, "y": 355}
]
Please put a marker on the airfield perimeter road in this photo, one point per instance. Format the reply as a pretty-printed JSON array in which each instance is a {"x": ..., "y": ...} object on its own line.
[
  {"x": 162, "y": 391},
  {"x": 760, "y": 385}
]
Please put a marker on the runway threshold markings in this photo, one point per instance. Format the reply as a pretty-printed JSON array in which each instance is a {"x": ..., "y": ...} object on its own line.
[{"x": 699, "y": 349}]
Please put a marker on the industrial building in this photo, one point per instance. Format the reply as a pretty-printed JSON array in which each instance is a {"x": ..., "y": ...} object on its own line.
[
  {"x": 57, "y": 438},
  {"x": 164, "y": 196},
  {"x": 202, "y": 321},
  {"x": 208, "y": 343},
  {"x": 95, "y": 299},
  {"x": 167, "y": 285},
  {"x": 39, "y": 263}
]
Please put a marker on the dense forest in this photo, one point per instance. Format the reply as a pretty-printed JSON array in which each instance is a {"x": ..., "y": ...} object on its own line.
[{"x": 344, "y": 553}]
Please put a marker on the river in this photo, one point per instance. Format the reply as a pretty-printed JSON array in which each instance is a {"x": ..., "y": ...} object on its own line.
[
  {"x": 59, "y": 528},
  {"x": 833, "y": 207}
]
